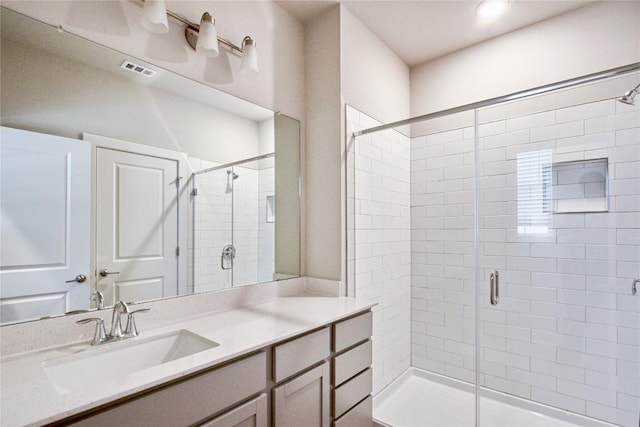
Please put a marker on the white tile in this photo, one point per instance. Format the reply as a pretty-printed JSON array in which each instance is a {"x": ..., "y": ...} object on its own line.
[
  {"x": 625, "y": 385},
  {"x": 558, "y": 400},
  {"x": 587, "y": 361},
  {"x": 587, "y": 330},
  {"x": 564, "y": 130},
  {"x": 616, "y": 416},
  {"x": 531, "y": 121},
  {"x": 586, "y": 111},
  {"x": 586, "y": 392}
]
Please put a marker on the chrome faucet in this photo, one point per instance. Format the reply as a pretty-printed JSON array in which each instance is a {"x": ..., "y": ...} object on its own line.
[{"x": 120, "y": 308}]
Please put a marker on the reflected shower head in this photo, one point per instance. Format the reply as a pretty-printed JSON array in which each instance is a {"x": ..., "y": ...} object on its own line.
[
  {"x": 233, "y": 174},
  {"x": 629, "y": 97}
]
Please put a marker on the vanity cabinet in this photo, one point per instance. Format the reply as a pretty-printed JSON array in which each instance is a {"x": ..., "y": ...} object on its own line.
[
  {"x": 189, "y": 401},
  {"x": 351, "y": 373},
  {"x": 318, "y": 379}
]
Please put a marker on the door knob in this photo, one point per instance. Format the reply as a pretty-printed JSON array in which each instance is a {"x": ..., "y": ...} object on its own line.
[
  {"x": 104, "y": 272},
  {"x": 79, "y": 278}
]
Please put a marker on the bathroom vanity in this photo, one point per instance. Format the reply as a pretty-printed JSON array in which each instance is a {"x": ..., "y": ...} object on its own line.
[{"x": 297, "y": 360}]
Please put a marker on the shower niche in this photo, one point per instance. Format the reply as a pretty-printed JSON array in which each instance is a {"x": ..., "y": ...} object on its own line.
[{"x": 580, "y": 186}]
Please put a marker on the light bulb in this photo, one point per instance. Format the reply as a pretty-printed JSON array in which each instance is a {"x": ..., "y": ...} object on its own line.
[
  {"x": 207, "y": 37},
  {"x": 491, "y": 8},
  {"x": 249, "y": 61},
  {"x": 154, "y": 16}
]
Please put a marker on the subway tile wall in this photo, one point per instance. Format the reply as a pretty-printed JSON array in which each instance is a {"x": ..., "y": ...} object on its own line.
[
  {"x": 379, "y": 247},
  {"x": 567, "y": 329}
]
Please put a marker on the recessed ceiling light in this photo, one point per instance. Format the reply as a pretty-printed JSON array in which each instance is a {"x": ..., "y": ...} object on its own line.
[{"x": 491, "y": 8}]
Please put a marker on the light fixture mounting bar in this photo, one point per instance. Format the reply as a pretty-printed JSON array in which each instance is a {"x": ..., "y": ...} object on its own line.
[{"x": 192, "y": 30}]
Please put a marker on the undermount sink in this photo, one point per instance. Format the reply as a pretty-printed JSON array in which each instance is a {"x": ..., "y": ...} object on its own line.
[{"x": 112, "y": 360}]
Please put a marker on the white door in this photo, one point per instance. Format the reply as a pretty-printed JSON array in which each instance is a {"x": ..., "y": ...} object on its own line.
[
  {"x": 136, "y": 226},
  {"x": 45, "y": 206}
]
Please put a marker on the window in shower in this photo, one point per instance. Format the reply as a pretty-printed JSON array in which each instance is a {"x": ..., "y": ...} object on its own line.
[{"x": 534, "y": 191}]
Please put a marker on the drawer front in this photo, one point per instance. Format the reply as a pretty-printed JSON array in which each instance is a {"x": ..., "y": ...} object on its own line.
[
  {"x": 303, "y": 400},
  {"x": 252, "y": 413},
  {"x": 299, "y": 354},
  {"x": 192, "y": 400},
  {"x": 352, "y": 392},
  {"x": 352, "y": 362},
  {"x": 352, "y": 331},
  {"x": 360, "y": 416}
]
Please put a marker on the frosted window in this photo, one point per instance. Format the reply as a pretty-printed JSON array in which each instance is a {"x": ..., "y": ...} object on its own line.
[{"x": 534, "y": 192}]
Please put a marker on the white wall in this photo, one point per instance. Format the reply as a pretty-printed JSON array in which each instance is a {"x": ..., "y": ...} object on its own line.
[
  {"x": 373, "y": 78},
  {"x": 46, "y": 93},
  {"x": 323, "y": 158},
  {"x": 597, "y": 37},
  {"x": 280, "y": 39},
  {"x": 346, "y": 64}
]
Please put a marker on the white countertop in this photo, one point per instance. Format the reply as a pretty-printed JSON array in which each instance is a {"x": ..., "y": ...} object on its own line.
[{"x": 28, "y": 398}]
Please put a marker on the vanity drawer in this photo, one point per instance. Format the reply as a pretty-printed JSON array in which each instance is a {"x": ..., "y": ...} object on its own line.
[
  {"x": 360, "y": 416},
  {"x": 189, "y": 401},
  {"x": 297, "y": 355},
  {"x": 352, "y": 362},
  {"x": 352, "y": 331},
  {"x": 352, "y": 392}
]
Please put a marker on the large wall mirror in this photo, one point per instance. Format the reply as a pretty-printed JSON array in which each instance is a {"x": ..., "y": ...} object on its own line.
[{"x": 123, "y": 181}]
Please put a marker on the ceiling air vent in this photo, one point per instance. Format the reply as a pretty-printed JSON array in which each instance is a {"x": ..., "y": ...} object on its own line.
[{"x": 138, "y": 69}]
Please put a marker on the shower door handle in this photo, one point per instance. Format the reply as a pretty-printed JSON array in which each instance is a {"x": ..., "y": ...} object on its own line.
[{"x": 494, "y": 287}]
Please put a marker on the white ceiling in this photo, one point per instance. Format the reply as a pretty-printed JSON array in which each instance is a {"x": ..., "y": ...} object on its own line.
[{"x": 421, "y": 30}]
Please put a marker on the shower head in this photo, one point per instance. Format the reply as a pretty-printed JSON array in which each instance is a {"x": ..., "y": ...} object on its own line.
[
  {"x": 628, "y": 98},
  {"x": 233, "y": 174}
]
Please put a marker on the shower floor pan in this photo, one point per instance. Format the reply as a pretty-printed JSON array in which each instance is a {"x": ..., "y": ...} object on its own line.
[{"x": 423, "y": 399}]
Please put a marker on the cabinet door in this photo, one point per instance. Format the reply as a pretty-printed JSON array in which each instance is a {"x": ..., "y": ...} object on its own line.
[
  {"x": 251, "y": 414},
  {"x": 304, "y": 400}
]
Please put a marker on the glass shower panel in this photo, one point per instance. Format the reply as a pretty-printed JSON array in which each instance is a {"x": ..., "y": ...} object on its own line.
[
  {"x": 253, "y": 222},
  {"x": 443, "y": 259},
  {"x": 559, "y": 250},
  {"x": 211, "y": 230}
]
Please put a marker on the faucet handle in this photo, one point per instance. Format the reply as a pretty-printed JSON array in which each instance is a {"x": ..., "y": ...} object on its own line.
[
  {"x": 131, "y": 330},
  {"x": 100, "y": 334}
]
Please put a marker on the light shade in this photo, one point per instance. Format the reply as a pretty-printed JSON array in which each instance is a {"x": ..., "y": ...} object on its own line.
[
  {"x": 154, "y": 16},
  {"x": 207, "y": 37},
  {"x": 491, "y": 8},
  {"x": 249, "y": 62}
]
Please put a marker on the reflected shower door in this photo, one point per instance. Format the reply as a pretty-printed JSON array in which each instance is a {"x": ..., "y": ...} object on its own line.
[
  {"x": 212, "y": 230},
  {"x": 559, "y": 248}
]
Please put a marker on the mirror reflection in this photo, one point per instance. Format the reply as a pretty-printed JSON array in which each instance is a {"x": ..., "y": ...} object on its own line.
[{"x": 123, "y": 181}]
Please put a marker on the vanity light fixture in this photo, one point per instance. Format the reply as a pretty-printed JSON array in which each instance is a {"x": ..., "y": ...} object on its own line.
[
  {"x": 154, "y": 17},
  {"x": 491, "y": 8},
  {"x": 203, "y": 37}
]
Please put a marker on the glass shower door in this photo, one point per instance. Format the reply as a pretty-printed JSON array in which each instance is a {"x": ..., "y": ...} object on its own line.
[
  {"x": 212, "y": 230},
  {"x": 559, "y": 250}
]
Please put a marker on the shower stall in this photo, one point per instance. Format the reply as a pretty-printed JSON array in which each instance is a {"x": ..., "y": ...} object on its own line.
[
  {"x": 231, "y": 225},
  {"x": 501, "y": 241}
]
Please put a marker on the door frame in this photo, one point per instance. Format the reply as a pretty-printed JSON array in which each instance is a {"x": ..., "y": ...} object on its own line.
[{"x": 98, "y": 141}]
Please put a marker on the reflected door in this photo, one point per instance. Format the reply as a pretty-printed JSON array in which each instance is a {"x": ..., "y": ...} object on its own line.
[
  {"x": 45, "y": 225},
  {"x": 137, "y": 226}
]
